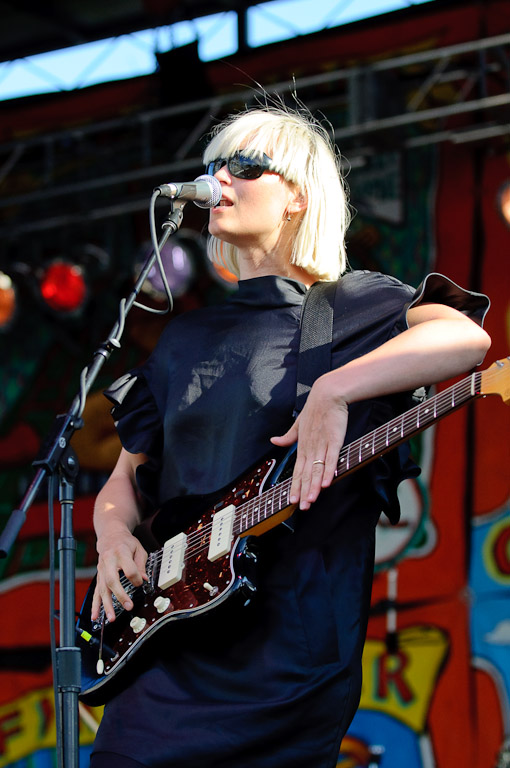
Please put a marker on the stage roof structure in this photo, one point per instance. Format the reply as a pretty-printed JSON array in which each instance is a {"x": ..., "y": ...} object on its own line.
[
  {"x": 29, "y": 27},
  {"x": 92, "y": 167}
]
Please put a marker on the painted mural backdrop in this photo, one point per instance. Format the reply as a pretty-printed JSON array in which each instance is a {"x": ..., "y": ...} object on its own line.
[
  {"x": 436, "y": 687},
  {"x": 437, "y": 662}
]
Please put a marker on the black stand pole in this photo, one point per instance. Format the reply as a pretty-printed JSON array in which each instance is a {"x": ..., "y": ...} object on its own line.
[
  {"x": 60, "y": 457},
  {"x": 68, "y": 655}
]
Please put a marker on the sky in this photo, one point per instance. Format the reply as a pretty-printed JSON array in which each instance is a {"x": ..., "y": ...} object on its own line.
[{"x": 133, "y": 55}]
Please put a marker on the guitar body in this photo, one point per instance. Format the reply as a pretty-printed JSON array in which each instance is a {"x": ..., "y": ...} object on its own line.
[{"x": 201, "y": 585}]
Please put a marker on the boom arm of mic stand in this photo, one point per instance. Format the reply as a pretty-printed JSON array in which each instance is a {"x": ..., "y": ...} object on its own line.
[{"x": 66, "y": 424}]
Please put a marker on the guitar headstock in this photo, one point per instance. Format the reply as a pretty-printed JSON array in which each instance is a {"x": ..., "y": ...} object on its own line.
[{"x": 495, "y": 380}]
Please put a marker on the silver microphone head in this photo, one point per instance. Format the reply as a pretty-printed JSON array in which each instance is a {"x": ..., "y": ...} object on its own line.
[{"x": 215, "y": 191}]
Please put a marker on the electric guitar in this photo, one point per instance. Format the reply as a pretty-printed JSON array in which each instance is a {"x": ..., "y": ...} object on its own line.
[{"x": 196, "y": 569}]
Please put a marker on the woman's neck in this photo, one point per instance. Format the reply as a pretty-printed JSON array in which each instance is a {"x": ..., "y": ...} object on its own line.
[{"x": 252, "y": 266}]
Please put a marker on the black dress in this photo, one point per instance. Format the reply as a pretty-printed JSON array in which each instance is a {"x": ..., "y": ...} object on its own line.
[{"x": 274, "y": 684}]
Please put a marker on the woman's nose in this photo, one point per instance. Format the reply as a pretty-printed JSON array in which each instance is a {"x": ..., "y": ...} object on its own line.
[{"x": 222, "y": 174}]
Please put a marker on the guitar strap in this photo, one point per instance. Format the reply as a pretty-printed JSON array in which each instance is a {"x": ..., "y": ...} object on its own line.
[{"x": 316, "y": 325}]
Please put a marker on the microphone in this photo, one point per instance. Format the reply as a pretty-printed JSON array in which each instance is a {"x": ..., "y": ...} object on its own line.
[{"x": 205, "y": 191}]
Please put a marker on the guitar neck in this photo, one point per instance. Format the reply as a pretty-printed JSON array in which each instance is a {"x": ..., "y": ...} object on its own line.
[
  {"x": 408, "y": 424},
  {"x": 365, "y": 449}
]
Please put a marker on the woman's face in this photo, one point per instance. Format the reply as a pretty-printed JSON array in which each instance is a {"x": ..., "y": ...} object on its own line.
[{"x": 252, "y": 213}]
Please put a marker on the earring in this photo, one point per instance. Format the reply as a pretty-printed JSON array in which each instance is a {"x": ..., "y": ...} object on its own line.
[{"x": 289, "y": 217}]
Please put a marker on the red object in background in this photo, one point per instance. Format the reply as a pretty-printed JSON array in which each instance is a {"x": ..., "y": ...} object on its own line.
[
  {"x": 7, "y": 301},
  {"x": 20, "y": 444},
  {"x": 63, "y": 287}
]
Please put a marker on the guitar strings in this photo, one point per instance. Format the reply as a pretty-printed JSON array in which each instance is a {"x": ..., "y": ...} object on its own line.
[{"x": 376, "y": 441}]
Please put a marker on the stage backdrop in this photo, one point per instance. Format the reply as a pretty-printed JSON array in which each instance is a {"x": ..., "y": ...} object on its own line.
[{"x": 437, "y": 663}]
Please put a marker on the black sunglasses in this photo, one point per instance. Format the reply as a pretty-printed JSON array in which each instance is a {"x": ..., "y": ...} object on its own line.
[{"x": 241, "y": 166}]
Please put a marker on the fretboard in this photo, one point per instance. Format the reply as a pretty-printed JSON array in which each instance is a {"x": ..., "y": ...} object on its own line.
[{"x": 365, "y": 449}]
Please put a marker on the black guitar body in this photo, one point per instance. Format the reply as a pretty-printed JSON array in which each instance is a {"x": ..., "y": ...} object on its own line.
[{"x": 203, "y": 584}]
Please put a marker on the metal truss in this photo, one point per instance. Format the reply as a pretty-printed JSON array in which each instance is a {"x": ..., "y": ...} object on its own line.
[{"x": 458, "y": 94}]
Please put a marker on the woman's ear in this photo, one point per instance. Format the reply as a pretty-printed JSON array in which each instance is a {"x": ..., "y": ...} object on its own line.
[{"x": 298, "y": 202}]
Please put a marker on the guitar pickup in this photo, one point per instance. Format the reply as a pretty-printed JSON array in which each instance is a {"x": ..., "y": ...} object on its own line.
[
  {"x": 221, "y": 534},
  {"x": 172, "y": 561}
]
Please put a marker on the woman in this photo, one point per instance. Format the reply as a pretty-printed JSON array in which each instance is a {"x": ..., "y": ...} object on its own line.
[{"x": 275, "y": 683}]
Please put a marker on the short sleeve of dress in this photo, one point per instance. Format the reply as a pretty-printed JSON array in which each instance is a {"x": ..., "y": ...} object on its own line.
[
  {"x": 441, "y": 290},
  {"x": 438, "y": 289},
  {"x": 139, "y": 426}
]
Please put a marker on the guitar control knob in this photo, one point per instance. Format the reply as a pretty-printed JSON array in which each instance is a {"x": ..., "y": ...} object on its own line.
[
  {"x": 137, "y": 624},
  {"x": 248, "y": 586},
  {"x": 248, "y": 589},
  {"x": 161, "y": 604}
]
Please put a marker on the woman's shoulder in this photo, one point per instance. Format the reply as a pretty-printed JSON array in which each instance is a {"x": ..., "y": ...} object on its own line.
[
  {"x": 366, "y": 279},
  {"x": 364, "y": 288}
]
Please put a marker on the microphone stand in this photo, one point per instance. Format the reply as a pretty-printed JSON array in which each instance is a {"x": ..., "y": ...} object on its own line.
[{"x": 60, "y": 457}]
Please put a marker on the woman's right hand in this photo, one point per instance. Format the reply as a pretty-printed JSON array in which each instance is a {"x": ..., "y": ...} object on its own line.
[
  {"x": 116, "y": 515},
  {"x": 118, "y": 551}
]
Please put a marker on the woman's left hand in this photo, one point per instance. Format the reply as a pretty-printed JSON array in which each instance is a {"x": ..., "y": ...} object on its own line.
[{"x": 319, "y": 431}]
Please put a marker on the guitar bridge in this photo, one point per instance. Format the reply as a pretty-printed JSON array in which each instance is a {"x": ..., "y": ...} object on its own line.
[{"x": 149, "y": 586}]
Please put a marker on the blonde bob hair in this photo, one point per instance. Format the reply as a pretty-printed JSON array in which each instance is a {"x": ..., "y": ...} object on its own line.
[{"x": 302, "y": 154}]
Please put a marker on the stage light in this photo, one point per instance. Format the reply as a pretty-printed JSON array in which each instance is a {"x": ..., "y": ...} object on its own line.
[
  {"x": 179, "y": 256},
  {"x": 504, "y": 202},
  {"x": 183, "y": 256},
  {"x": 7, "y": 301},
  {"x": 179, "y": 271},
  {"x": 62, "y": 286},
  {"x": 222, "y": 274}
]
